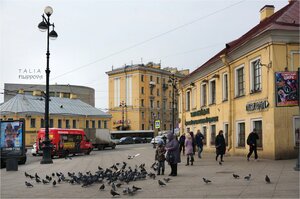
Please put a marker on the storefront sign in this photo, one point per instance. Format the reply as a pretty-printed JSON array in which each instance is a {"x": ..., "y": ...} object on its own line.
[
  {"x": 200, "y": 112},
  {"x": 201, "y": 121},
  {"x": 258, "y": 105},
  {"x": 286, "y": 88}
]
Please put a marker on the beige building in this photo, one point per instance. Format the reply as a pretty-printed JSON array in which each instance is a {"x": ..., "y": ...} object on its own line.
[
  {"x": 140, "y": 94},
  {"x": 252, "y": 83}
]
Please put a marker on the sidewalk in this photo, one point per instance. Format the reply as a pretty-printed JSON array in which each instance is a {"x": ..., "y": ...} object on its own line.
[{"x": 188, "y": 183}]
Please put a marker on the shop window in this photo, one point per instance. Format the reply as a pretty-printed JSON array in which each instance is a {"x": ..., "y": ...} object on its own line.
[
  {"x": 255, "y": 76},
  {"x": 239, "y": 81},
  {"x": 203, "y": 96},
  {"x": 204, "y": 131},
  {"x": 240, "y": 134},
  {"x": 212, "y": 134},
  {"x": 225, "y": 87},
  {"x": 212, "y": 92}
]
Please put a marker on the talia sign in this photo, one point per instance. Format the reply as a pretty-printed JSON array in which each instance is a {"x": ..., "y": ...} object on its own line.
[{"x": 30, "y": 74}]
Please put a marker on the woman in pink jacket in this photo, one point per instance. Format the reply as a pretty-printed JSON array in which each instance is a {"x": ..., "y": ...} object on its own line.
[{"x": 189, "y": 149}]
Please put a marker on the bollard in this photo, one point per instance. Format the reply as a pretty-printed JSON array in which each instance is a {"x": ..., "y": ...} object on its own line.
[{"x": 12, "y": 164}]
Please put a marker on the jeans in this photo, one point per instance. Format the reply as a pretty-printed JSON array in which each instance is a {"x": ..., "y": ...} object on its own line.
[
  {"x": 252, "y": 148},
  {"x": 200, "y": 149},
  {"x": 161, "y": 166}
]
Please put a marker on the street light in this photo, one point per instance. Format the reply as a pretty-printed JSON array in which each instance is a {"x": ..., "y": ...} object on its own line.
[
  {"x": 123, "y": 106},
  {"x": 45, "y": 26},
  {"x": 172, "y": 81}
]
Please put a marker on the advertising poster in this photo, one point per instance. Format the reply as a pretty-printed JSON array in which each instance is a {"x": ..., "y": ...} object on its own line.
[
  {"x": 286, "y": 88},
  {"x": 11, "y": 136}
]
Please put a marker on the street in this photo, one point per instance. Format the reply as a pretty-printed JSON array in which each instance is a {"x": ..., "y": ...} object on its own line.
[{"x": 188, "y": 183}]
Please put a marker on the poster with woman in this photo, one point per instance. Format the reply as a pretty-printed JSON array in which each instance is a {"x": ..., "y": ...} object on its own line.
[
  {"x": 11, "y": 135},
  {"x": 286, "y": 88}
]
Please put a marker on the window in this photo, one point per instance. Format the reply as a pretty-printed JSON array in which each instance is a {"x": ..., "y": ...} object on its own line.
[
  {"x": 203, "y": 95},
  {"x": 212, "y": 134},
  {"x": 225, "y": 86},
  {"x": 151, "y": 104},
  {"x": 105, "y": 124},
  {"x": 170, "y": 94},
  {"x": 143, "y": 115},
  {"x": 67, "y": 124},
  {"x": 151, "y": 78},
  {"x": 59, "y": 123},
  {"x": 193, "y": 99},
  {"x": 143, "y": 126},
  {"x": 187, "y": 101},
  {"x": 87, "y": 124},
  {"x": 204, "y": 131},
  {"x": 212, "y": 92},
  {"x": 32, "y": 123},
  {"x": 128, "y": 90},
  {"x": 99, "y": 124},
  {"x": 142, "y": 78},
  {"x": 157, "y": 92},
  {"x": 157, "y": 80},
  {"x": 239, "y": 82},
  {"x": 226, "y": 133},
  {"x": 42, "y": 123},
  {"x": 151, "y": 91},
  {"x": 157, "y": 104},
  {"x": 165, "y": 127},
  {"x": 158, "y": 115},
  {"x": 142, "y": 102},
  {"x": 93, "y": 124},
  {"x": 255, "y": 76},
  {"x": 257, "y": 125},
  {"x": 74, "y": 124},
  {"x": 142, "y": 90},
  {"x": 117, "y": 92},
  {"x": 240, "y": 134},
  {"x": 51, "y": 125}
]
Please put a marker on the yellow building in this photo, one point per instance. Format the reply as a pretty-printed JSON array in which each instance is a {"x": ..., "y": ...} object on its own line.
[
  {"x": 252, "y": 83},
  {"x": 63, "y": 113},
  {"x": 139, "y": 95}
]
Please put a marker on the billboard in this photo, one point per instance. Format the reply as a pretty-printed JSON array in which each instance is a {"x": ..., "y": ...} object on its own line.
[
  {"x": 12, "y": 138},
  {"x": 286, "y": 90}
]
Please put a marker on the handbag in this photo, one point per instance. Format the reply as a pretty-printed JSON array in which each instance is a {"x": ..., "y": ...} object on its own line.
[{"x": 170, "y": 157}]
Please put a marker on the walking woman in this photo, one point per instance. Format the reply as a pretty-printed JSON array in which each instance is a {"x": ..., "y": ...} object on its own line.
[
  {"x": 173, "y": 154},
  {"x": 220, "y": 145},
  {"x": 189, "y": 149}
]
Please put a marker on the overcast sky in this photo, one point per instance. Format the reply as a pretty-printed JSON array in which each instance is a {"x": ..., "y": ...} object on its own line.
[{"x": 94, "y": 35}]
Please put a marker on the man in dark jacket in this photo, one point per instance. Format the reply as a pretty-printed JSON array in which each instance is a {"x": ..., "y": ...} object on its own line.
[
  {"x": 199, "y": 142},
  {"x": 252, "y": 142}
]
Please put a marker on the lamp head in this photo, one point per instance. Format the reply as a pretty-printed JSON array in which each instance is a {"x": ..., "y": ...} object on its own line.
[
  {"x": 43, "y": 26},
  {"x": 53, "y": 35},
  {"x": 48, "y": 11}
]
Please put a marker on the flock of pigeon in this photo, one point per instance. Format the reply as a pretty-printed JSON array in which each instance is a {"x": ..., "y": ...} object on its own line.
[{"x": 117, "y": 176}]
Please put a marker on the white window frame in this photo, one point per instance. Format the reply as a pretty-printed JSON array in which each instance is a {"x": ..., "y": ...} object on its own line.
[
  {"x": 210, "y": 133},
  {"x": 252, "y": 89},
  {"x": 117, "y": 91},
  {"x": 211, "y": 91},
  {"x": 187, "y": 101},
  {"x": 236, "y": 81},
  {"x": 193, "y": 98},
  {"x": 224, "y": 84},
  {"x": 129, "y": 90},
  {"x": 201, "y": 95},
  {"x": 252, "y": 127},
  {"x": 226, "y": 136},
  {"x": 237, "y": 133},
  {"x": 294, "y": 127}
]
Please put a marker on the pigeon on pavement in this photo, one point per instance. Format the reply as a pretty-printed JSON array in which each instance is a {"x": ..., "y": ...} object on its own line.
[{"x": 267, "y": 179}]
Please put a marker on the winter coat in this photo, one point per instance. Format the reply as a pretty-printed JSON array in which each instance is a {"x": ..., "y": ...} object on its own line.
[
  {"x": 173, "y": 147},
  {"x": 199, "y": 139},
  {"x": 220, "y": 145},
  {"x": 188, "y": 147},
  {"x": 160, "y": 153},
  {"x": 251, "y": 140},
  {"x": 182, "y": 140}
]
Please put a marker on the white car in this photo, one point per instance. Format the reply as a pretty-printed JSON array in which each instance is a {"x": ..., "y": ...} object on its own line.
[
  {"x": 156, "y": 139},
  {"x": 33, "y": 150}
]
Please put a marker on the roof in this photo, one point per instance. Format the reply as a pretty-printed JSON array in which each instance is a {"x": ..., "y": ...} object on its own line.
[
  {"x": 286, "y": 18},
  {"x": 28, "y": 104}
]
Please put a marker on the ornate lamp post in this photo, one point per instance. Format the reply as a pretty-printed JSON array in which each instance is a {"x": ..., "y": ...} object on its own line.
[
  {"x": 123, "y": 106},
  {"x": 45, "y": 26},
  {"x": 173, "y": 81}
]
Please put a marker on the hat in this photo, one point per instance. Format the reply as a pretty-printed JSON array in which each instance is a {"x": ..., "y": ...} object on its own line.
[{"x": 160, "y": 142}]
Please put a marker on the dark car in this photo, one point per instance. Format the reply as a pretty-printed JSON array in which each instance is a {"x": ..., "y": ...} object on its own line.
[
  {"x": 139, "y": 140},
  {"x": 126, "y": 140}
]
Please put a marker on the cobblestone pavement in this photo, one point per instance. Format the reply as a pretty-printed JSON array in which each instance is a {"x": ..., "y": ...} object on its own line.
[{"x": 188, "y": 183}]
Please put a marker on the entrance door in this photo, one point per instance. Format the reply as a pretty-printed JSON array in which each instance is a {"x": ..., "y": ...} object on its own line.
[{"x": 257, "y": 124}]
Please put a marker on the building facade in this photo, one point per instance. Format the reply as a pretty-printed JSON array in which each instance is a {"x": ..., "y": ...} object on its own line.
[
  {"x": 139, "y": 95},
  {"x": 252, "y": 83},
  {"x": 85, "y": 94},
  {"x": 63, "y": 113}
]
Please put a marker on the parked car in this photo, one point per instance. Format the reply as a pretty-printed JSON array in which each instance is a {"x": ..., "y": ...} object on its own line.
[
  {"x": 33, "y": 150},
  {"x": 156, "y": 139},
  {"x": 139, "y": 140},
  {"x": 126, "y": 140}
]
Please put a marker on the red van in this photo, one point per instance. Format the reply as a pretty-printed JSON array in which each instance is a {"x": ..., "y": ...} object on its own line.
[{"x": 65, "y": 141}]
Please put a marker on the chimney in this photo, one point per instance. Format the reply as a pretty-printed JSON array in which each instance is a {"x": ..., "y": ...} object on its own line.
[{"x": 266, "y": 12}]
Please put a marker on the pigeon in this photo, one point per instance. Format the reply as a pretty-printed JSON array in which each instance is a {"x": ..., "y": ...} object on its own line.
[
  {"x": 206, "y": 180},
  {"x": 28, "y": 184},
  {"x": 54, "y": 183},
  {"x": 59, "y": 180},
  {"x": 26, "y": 174},
  {"x": 132, "y": 156},
  {"x": 102, "y": 187},
  {"x": 36, "y": 176},
  {"x": 113, "y": 186},
  {"x": 53, "y": 174},
  {"x": 113, "y": 193},
  {"x": 45, "y": 181},
  {"x": 267, "y": 179},
  {"x": 38, "y": 180},
  {"x": 235, "y": 176},
  {"x": 167, "y": 179},
  {"x": 247, "y": 177},
  {"x": 134, "y": 188},
  {"x": 161, "y": 183},
  {"x": 119, "y": 185}
]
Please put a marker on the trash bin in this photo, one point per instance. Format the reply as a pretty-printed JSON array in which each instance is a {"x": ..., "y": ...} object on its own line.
[{"x": 12, "y": 164}]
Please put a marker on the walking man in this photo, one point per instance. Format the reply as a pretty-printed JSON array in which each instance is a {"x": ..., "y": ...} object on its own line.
[
  {"x": 252, "y": 142},
  {"x": 199, "y": 142}
]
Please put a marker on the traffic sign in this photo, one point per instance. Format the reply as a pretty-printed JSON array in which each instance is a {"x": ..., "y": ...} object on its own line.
[{"x": 157, "y": 124}]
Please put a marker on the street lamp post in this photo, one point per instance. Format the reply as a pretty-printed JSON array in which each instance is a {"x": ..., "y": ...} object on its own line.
[
  {"x": 123, "y": 106},
  {"x": 45, "y": 26},
  {"x": 172, "y": 81}
]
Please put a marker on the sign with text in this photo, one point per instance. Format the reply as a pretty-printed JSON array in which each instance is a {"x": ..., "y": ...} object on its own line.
[
  {"x": 286, "y": 88},
  {"x": 157, "y": 124}
]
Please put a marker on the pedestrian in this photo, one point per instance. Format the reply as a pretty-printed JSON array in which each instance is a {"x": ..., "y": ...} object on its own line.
[
  {"x": 189, "y": 149},
  {"x": 160, "y": 157},
  {"x": 181, "y": 143},
  {"x": 220, "y": 145},
  {"x": 199, "y": 142},
  {"x": 193, "y": 141},
  {"x": 173, "y": 154},
  {"x": 252, "y": 142}
]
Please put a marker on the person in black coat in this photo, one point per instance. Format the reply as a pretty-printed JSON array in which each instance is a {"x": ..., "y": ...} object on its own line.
[
  {"x": 220, "y": 145},
  {"x": 252, "y": 142}
]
